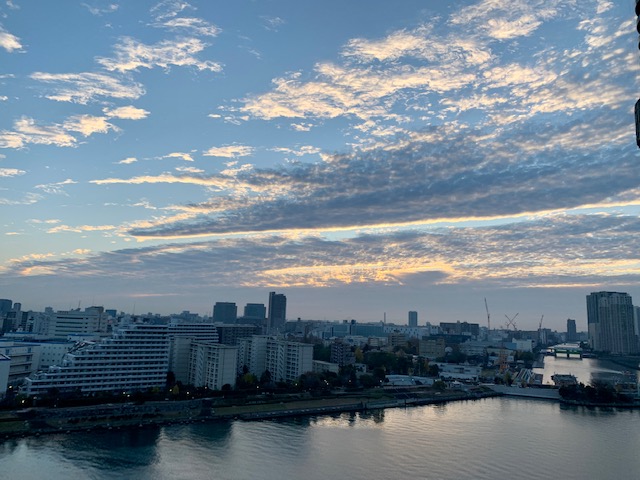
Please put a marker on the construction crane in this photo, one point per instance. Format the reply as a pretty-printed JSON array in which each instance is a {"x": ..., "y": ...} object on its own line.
[
  {"x": 488, "y": 316},
  {"x": 541, "y": 335},
  {"x": 511, "y": 321}
]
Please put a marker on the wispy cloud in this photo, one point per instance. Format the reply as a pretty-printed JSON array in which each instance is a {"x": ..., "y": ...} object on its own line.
[
  {"x": 192, "y": 26},
  {"x": 131, "y": 55},
  {"x": 552, "y": 250},
  {"x": 127, "y": 161},
  {"x": 11, "y": 172},
  {"x": 88, "y": 125},
  {"x": 85, "y": 87},
  {"x": 126, "y": 113},
  {"x": 26, "y": 131},
  {"x": 272, "y": 23},
  {"x": 9, "y": 42},
  {"x": 181, "y": 155},
  {"x": 229, "y": 151},
  {"x": 99, "y": 11},
  {"x": 56, "y": 188}
]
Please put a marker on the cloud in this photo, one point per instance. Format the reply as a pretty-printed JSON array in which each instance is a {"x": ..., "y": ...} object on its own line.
[
  {"x": 88, "y": 124},
  {"x": 552, "y": 250},
  {"x": 439, "y": 175},
  {"x": 26, "y": 131},
  {"x": 127, "y": 161},
  {"x": 189, "y": 170},
  {"x": 181, "y": 155},
  {"x": 504, "y": 21},
  {"x": 272, "y": 23},
  {"x": 298, "y": 152},
  {"x": 229, "y": 151},
  {"x": 99, "y": 11},
  {"x": 56, "y": 188},
  {"x": 85, "y": 87},
  {"x": 132, "y": 55},
  {"x": 9, "y": 41},
  {"x": 126, "y": 113},
  {"x": 81, "y": 228},
  {"x": 11, "y": 172},
  {"x": 193, "y": 26}
]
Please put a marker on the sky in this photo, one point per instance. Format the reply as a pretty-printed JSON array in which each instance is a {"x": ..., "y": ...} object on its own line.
[{"x": 364, "y": 157}]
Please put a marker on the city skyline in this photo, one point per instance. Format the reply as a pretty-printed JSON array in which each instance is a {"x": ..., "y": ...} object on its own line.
[{"x": 365, "y": 159}]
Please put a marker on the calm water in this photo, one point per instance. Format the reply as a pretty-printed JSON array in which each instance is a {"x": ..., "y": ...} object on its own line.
[{"x": 487, "y": 439}]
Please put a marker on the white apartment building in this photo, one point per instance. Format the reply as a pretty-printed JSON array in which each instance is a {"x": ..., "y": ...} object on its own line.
[
  {"x": 63, "y": 323},
  {"x": 212, "y": 365},
  {"x": 135, "y": 357},
  {"x": 181, "y": 335},
  {"x": 252, "y": 352},
  {"x": 24, "y": 359},
  {"x": 286, "y": 361},
  {"x": 5, "y": 364}
]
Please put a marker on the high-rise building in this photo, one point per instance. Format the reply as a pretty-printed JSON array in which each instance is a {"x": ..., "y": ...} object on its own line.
[
  {"x": 225, "y": 312},
  {"x": 413, "y": 319},
  {"x": 255, "y": 311},
  {"x": 277, "y": 311},
  {"x": 572, "y": 333},
  {"x": 5, "y": 305},
  {"x": 611, "y": 323}
]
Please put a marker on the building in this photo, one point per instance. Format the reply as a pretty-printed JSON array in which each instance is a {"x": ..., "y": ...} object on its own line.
[
  {"x": 610, "y": 320},
  {"x": 230, "y": 334},
  {"x": 413, "y": 319},
  {"x": 396, "y": 339},
  {"x": 24, "y": 359},
  {"x": 277, "y": 311},
  {"x": 135, "y": 357},
  {"x": 460, "y": 328},
  {"x": 432, "y": 348},
  {"x": 212, "y": 365},
  {"x": 572, "y": 333},
  {"x": 255, "y": 311},
  {"x": 63, "y": 323},
  {"x": 342, "y": 354},
  {"x": 225, "y": 312},
  {"x": 286, "y": 361},
  {"x": 181, "y": 336},
  {"x": 5, "y": 365},
  {"x": 252, "y": 353}
]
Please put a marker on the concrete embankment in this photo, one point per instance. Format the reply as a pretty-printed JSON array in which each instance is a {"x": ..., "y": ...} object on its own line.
[
  {"x": 40, "y": 421},
  {"x": 528, "y": 392}
]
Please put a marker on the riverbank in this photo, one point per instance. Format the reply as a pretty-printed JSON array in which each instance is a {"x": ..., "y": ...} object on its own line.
[{"x": 42, "y": 421}]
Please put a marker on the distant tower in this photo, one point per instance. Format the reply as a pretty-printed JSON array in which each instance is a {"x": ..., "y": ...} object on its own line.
[
  {"x": 225, "y": 312},
  {"x": 611, "y": 323},
  {"x": 572, "y": 333},
  {"x": 255, "y": 311},
  {"x": 413, "y": 319},
  {"x": 277, "y": 311}
]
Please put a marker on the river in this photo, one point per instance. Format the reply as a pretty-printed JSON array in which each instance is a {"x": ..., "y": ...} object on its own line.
[{"x": 485, "y": 439}]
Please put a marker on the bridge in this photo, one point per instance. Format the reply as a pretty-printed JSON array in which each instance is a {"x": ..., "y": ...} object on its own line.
[{"x": 568, "y": 350}]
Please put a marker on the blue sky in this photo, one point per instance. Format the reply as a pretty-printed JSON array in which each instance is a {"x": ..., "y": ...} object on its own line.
[{"x": 361, "y": 157}]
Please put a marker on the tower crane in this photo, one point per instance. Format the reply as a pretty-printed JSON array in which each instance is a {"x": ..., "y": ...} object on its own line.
[
  {"x": 488, "y": 316},
  {"x": 511, "y": 321}
]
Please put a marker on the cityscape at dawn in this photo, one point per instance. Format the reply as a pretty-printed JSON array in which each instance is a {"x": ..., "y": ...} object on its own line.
[{"x": 363, "y": 158}]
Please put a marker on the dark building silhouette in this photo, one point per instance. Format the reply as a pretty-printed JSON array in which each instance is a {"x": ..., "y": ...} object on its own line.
[
  {"x": 413, "y": 319},
  {"x": 225, "y": 312},
  {"x": 572, "y": 333},
  {"x": 611, "y": 323},
  {"x": 255, "y": 311},
  {"x": 277, "y": 311}
]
